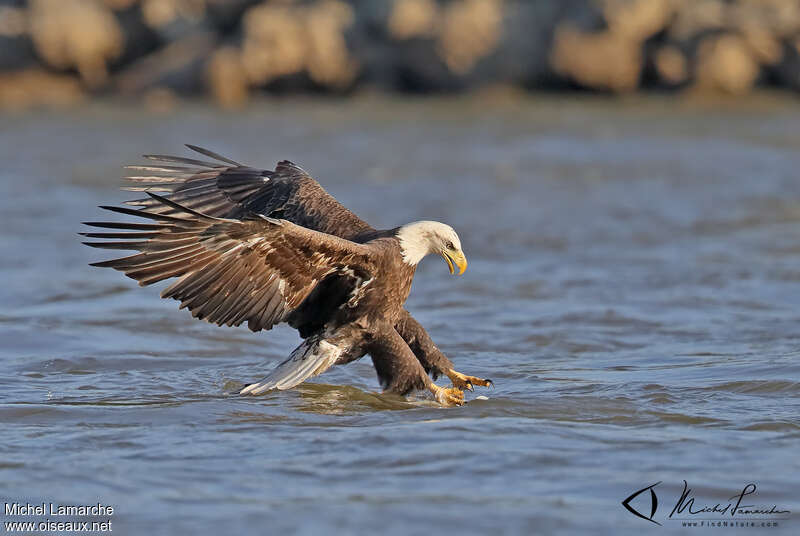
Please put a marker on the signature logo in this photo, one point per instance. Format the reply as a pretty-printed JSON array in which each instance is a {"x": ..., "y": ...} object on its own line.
[
  {"x": 736, "y": 508},
  {"x": 653, "y": 503}
]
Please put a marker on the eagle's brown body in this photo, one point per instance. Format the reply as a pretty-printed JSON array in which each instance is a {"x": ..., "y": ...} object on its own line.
[{"x": 266, "y": 247}]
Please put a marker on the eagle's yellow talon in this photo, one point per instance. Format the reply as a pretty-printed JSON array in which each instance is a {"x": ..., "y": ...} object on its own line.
[
  {"x": 452, "y": 396},
  {"x": 467, "y": 383}
]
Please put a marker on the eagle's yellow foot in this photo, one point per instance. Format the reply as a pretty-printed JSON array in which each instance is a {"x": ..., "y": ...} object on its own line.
[
  {"x": 466, "y": 383},
  {"x": 452, "y": 396}
]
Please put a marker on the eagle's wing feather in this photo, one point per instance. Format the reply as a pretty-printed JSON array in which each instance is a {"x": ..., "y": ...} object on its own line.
[
  {"x": 227, "y": 189},
  {"x": 229, "y": 271}
]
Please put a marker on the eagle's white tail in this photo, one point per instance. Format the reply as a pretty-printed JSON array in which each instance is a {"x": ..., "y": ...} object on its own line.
[{"x": 314, "y": 356}]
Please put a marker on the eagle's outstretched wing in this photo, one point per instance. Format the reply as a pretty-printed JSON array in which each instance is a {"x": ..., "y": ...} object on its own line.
[
  {"x": 227, "y": 189},
  {"x": 229, "y": 271}
]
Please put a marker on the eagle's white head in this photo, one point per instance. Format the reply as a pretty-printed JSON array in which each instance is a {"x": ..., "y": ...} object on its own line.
[{"x": 420, "y": 238}]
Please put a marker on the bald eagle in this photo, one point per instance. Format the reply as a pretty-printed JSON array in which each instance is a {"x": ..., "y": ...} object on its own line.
[{"x": 272, "y": 246}]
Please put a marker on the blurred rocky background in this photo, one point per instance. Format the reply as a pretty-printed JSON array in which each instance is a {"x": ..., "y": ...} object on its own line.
[{"x": 60, "y": 52}]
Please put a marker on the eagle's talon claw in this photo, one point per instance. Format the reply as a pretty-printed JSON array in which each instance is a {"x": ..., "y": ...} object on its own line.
[{"x": 467, "y": 383}]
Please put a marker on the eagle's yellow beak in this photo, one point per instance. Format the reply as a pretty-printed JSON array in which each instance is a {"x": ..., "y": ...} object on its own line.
[{"x": 455, "y": 258}]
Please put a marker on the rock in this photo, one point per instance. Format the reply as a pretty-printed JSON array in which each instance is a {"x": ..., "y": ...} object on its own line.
[
  {"x": 286, "y": 39},
  {"x": 35, "y": 88},
  {"x": 522, "y": 54},
  {"x": 274, "y": 43},
  {"x": 637, "y": 19},
  {"x": 461, "y": 44},
  {"x": 671, "y": 65},
  {"x": 766, "y": 48},
  {"x": 179, "y": 66},
  {"x": 16, "y": 46},
  {"x": 328, "y": 60},
  {"x": 227, "y": 78},
  {"x": 120, "y": 5},
  {"x": 161, "y": 13},
  {"x": 13, "y": 21},
  {"x": 693, "y": 17},
  {"x": 598, "y": 60},
  {"x": 80, "y": 34},
  {"x": 140, "y": 39},
  {"x": 612, "y": 58},
  {"x": 787, "y": 72},
  {"x": 173, "y": 20},
  {"x": 779, "y": 19},
  {"x": 725, "y": 63},
  {"x": 226, "y": 16},
  {"x": 413, "y": 18},
  {"x": 470, "y": 30}
]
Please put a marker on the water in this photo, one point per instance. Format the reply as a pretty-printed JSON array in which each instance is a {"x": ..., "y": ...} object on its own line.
[{"x": 633, "y": 291}]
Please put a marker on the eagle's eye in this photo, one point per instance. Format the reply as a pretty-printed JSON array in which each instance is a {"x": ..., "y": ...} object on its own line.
[{"x": 449, "y": 245}]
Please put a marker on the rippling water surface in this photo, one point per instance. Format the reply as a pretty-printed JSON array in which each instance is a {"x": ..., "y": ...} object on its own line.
[{"x": 633, "y": 291}]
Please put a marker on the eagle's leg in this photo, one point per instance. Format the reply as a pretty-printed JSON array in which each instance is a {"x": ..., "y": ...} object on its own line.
[
  {"x": 400, "y": 372},
  {"x": 431, "y": 358}
]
